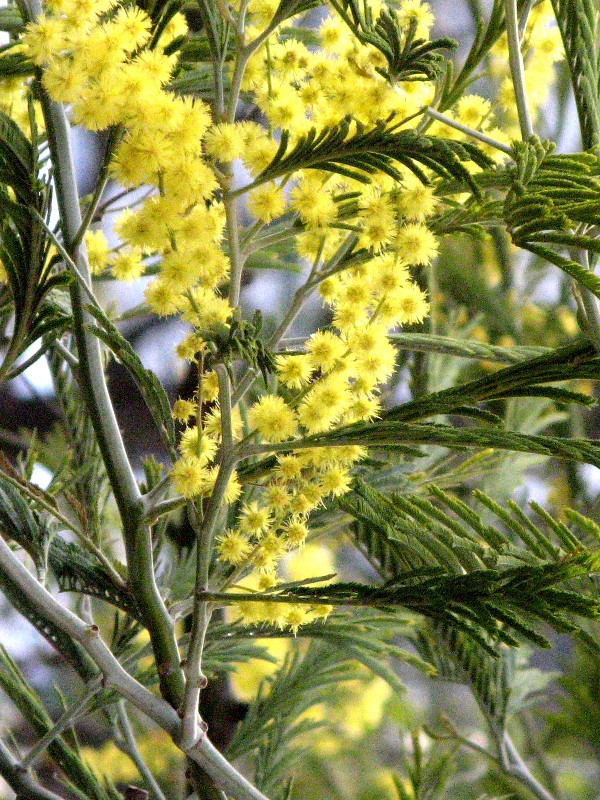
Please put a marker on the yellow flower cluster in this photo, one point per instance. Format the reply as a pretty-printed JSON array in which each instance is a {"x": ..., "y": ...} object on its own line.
[
  {"x": 114, "y": 70},
  {"x": 95, "y": 57},
  {"x": 13, "y": 101}
]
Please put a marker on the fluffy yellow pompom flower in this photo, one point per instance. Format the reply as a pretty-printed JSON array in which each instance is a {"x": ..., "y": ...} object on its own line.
[
  {"x": 259, "y": 148},
  {"x": 295, "y": 616},
  {"x": 294, "y": 371},
  {"x": 325, "y": 349},
  {"x": 364, "y": 407},
  {"x": 224, "y": 142},
  {"x": 313, "y": 203},
  {"x": 336, "y": 481},
  {"x": 255, "y": 519},
  {"x": 44, "y": 39},
  {"x": 189, "y": 476},
  {"x": 127, "y": 265},
  {"x": 408, "y": 305},
  {"x": 416, "y": 244},
  {"x": 97, "y": 250},
  {"x": 63, "y": 80},
  {"x": 156, "y": 65},
  {"x": 266, "y": 202},
  {"x": 295, "y": 532},
  {"x": 133, "y": 28},
  {"x": 162, "y": 298},
  {"x": 323, "y": 406},
  {"x": 99, "y": 105},
  {"x": 233, "y": 547},
  {"x": 183, "y": 409},
  {"x": 192, "y": 443},
  {"x": 416, "y": 201},
  {"x": 273, "y": 419}
]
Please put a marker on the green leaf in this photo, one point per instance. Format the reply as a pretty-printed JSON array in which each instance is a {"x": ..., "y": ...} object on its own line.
[
  {"x": 274, "y": 721},
  {"x": 580, "y": 29},
  {"x": 551, "y": 195},
  {"x": 388, "y": 435},
  {"x": 14, "y": 144},
  {"x": 150, "y": 387},
  {"x": 10, "y": 20},
  {"x": 13, "y": 65},
  {"x": 69, "y": 760},
  {"x": 348, "y": 149},
  {"x": 408, "y": 58},
  {"x": 466, "y": 348},
  {"x": 501, "y": 604},
  {"x": 578, "y": 360}
]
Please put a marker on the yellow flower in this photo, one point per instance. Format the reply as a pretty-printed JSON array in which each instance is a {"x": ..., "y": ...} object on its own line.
[
  {"x": 416, "y": 244},
  {"x": 161, "y": 298},
  {"x": 416, "y": 201},
  {"x": 133, "y": 27},
  {"x": 99, "y": 105},
  {"x": 233, "y": 547},
  {"x": 63, "y": 80},
  {"x": 224, "y": 142},
  {"x": 254, "y": 519},
  {"x": 295, "y": 532},
  {"x": 193, "y": 443},
  {"x": 294, "y": 371},
  {"x": 183, "y": 409},
  {"x": 313, "y": 203},
  {"x": 189, "y": 476},
  {"x": 325, "y": 350},
  {"x": 266, "y": 202},
  {"x": 127, "y": 265},
  {"x": 295, "y": 616},
  {"x": 336, "y": 481},
  {"x": 43, "y": 39},
  {"x": 273, "y": 419},
  {"x": 97, "y": 250}
]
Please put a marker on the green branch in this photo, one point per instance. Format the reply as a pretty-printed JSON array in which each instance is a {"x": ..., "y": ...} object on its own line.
[
  {"x": 138, "y": 542},
  {"x": 517, "y": 70}
]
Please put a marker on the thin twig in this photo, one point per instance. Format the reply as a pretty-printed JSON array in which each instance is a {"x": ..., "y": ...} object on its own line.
[
  {"x": 65, "y": 720},
  {"x": 513, "y": 765},
  {"x": 482, "y": 137},
  {"x": 129, "y": 746},
  {"x": 40, "y": 500},
  {"x": 157, "y": 510},
  {"x": 19, "y": 781},
  {"x": 517, "y": 69},
  {"x": 202, "y": 610},
  {"x": 202, "y": 751}
]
